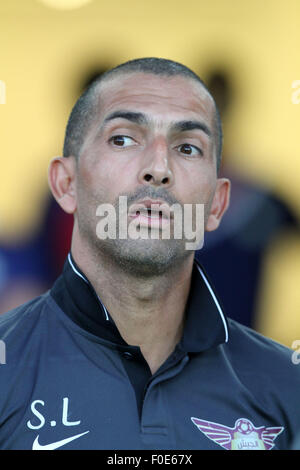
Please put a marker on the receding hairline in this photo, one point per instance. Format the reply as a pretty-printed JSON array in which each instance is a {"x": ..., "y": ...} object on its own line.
[
  {"x": 88, "y": 106},
  {"x": 115, "y": 74}
]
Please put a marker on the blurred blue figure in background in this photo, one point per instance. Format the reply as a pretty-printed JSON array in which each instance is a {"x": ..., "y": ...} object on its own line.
[
  {"x": 233, "y": 255},
  {"x": 28, "y": 268}
]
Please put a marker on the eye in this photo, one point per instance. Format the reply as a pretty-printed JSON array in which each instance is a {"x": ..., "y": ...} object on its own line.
[
  {"x": 122, "y": 140},
  {"x": 189, "y": 149}
]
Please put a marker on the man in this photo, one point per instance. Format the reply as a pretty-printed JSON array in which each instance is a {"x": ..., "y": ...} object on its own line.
[{"x": 131, "y": 349}]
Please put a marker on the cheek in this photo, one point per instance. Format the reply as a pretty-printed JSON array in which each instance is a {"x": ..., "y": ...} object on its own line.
[
  {"x": 199, "y": 187},
  {"x": 95, "y": 180},
  {"x": 102, "y": 180}
]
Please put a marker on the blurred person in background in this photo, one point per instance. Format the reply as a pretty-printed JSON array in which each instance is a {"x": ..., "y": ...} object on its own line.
[
  {"x": 234, "y": 255},
  {"x": 30, "y": 265}
]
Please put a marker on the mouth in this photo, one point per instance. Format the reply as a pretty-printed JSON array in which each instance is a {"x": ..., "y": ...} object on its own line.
[{"x": 151, "y": 212}]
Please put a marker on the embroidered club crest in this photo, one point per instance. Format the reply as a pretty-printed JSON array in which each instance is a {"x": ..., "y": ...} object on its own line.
[{"x": 243, "y": 436}]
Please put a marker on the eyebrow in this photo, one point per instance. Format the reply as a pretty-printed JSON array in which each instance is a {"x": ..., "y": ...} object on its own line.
[
  {"x": 183, "y": 126},
  {"x": 141, "y": 119},
  {"x": 137, "y": 118}
]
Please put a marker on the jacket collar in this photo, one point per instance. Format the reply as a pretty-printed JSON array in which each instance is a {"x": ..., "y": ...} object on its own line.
[{"x": 206, "y": 324}]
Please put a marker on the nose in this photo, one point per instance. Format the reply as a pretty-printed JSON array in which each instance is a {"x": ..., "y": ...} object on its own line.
[{"x": 157, "y": 169}]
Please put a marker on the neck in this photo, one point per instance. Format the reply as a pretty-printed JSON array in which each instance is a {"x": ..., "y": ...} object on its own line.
[{"x": 148, "y": 312}]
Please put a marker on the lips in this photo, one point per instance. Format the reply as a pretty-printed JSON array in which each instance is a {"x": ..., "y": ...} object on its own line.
[{"x": 150, "y": 209}]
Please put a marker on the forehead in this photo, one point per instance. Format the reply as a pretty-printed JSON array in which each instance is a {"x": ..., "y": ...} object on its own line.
[{"x": 159, "y": 96}]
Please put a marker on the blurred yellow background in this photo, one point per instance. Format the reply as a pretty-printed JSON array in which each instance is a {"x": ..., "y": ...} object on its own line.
[{"x": 45, "y": 53}]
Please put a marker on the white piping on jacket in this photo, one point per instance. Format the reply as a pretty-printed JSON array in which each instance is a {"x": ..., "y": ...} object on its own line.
[{"x": 85, "y": 280}]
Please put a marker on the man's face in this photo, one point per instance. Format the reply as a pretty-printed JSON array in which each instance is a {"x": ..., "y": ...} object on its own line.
[{"x": 153, "y": 139}]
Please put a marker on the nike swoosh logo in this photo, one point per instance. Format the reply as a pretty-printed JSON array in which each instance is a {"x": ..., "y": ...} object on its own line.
[{"x": 55, "y": 445}]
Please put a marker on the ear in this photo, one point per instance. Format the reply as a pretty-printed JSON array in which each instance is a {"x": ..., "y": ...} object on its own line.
[
  {"x": 61, "y": 179},
  {"x": 219, "y": 204}
]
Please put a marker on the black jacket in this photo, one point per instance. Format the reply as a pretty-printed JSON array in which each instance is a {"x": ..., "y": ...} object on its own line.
[{"x": 70, "y": 381}]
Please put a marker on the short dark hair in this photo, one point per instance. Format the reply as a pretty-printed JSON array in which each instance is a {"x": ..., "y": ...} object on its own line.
[{"x": 86, "y": 107}]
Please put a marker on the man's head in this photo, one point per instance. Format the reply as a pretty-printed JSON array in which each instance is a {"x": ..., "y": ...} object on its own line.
[{"x": 148, "y": 130}]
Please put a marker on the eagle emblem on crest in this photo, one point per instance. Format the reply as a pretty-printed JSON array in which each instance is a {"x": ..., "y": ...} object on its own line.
[{"x": 243, "y": 436}]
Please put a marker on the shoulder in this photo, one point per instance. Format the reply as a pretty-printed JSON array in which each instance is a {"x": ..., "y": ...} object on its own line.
[
  {"x": 245, "y": 341},
  {"x": 243, "y": 335},
  {"x": 258, "y": 353},
  {"x": 22, "y": 324},
  {"x": 18, "y": 315},
  {"x": 267, "y": 373},
  {"x": 266, "y": 367}
]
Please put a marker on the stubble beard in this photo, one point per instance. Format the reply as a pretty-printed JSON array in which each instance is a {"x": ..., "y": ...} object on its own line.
[
  {"x": 144, "y": 258},
  {"x": 139, "y": 258}
]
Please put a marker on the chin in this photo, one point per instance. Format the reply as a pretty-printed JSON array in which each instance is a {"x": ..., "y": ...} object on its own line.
[{"x": 146, "y": 258}]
